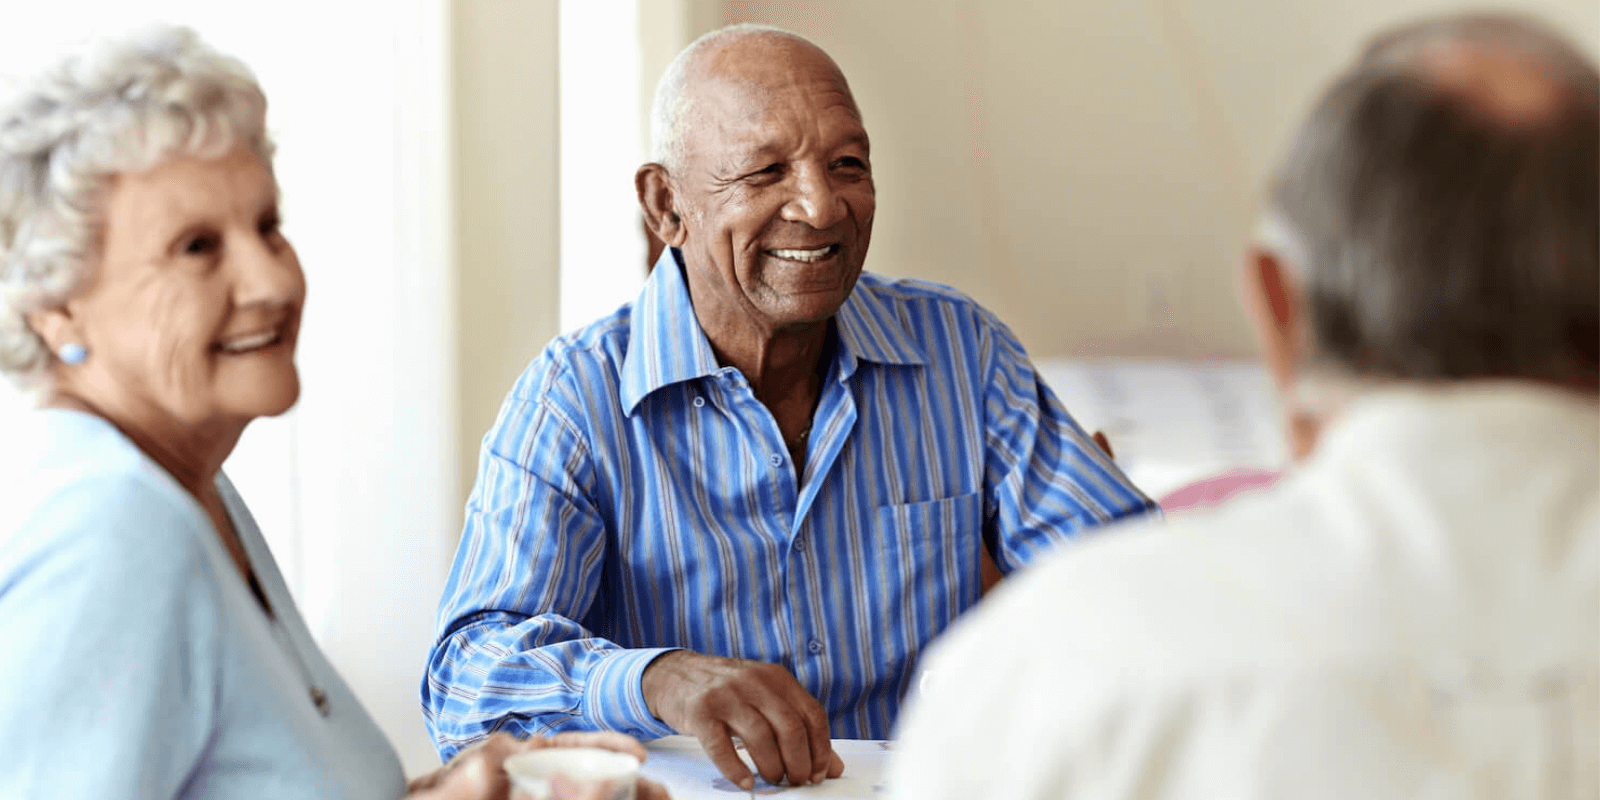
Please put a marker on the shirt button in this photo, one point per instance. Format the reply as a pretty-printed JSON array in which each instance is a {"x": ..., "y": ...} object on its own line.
[
  {"x": 815, "y": 646},
  {"x": 775, "y": 459},
  {"x": 699, "y": 401},
  {"x": 799, "y": 542}
]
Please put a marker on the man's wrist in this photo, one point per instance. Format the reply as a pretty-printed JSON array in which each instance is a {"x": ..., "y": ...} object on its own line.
[
  {"x": 655, "y": 682},
  {"x": 614, "y": 699}
]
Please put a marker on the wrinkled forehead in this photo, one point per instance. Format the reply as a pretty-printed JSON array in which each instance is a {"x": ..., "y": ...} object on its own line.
[
  {"x": 726, "y": 101},
  {"x": 772, "y": 61},
  {"x": 767, "y": 84}
]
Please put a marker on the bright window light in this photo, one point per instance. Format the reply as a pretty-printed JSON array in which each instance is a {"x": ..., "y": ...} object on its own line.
[{"x": 602, "y": 241}]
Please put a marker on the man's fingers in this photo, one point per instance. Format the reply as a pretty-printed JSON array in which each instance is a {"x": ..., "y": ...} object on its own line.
[
  {"x": 760, "y": 742},
  {"x": 835, "y": 765},
  {"x": 783, "y": 706},
  {"x": 794, "y": 743},
  {"x": 605, "y": 740},
  {"x": 719, "y": 747},
  {"x": 817, "y": 735}
]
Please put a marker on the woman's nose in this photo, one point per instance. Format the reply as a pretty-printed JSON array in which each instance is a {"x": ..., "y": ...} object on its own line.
[{"x": 268, "y": 272}]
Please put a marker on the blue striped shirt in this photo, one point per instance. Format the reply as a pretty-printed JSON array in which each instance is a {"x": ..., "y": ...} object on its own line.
[{"x": 634, "y": 496}]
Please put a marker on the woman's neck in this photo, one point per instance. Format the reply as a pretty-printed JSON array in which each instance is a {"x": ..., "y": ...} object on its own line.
[{"x": 191, "y": 454}]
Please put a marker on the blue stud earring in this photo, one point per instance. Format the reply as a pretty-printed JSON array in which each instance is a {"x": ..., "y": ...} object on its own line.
[{"x": 72, "y": 354}]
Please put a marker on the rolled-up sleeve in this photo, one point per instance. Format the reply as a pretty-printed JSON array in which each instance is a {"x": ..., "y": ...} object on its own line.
[
  {"x": 1046, "y": 480},
  {"x": 511, "y": 652}
]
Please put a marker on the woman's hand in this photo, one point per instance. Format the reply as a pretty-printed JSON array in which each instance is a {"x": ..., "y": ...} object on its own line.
[
  {"x": 563, "y": 789},
  {"x": 478, "y": 772}
]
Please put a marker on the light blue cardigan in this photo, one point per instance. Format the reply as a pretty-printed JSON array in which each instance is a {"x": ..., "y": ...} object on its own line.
[{"x": 136, "y": 662}]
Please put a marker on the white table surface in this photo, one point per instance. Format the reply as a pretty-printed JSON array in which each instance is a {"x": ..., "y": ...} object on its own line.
[
  {"x": 679, "y": 763},
  {"x": 1171, "y": 421}
]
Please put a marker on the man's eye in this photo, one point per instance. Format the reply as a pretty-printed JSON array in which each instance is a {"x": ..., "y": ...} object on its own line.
[
  {"x": 270, "y": 226},
  {"x": 850, "y": 162},
  {"x": 769, "y": 171}
]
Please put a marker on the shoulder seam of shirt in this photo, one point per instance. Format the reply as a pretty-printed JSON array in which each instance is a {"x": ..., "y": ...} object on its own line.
[{"x": 558, "y": 370}]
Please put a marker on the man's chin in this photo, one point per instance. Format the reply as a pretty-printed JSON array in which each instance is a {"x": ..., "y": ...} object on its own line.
[{"x": 810, "y": 310}]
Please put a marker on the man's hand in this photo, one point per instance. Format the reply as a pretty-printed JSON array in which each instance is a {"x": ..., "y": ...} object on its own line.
[
  {"x": 714, "y": 699},
  {"x": 1104, "y": 443},
  {"x": 478, "y": 772}
]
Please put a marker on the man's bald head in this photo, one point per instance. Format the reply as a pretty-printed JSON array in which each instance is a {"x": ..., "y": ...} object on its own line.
[
  {"x": 1442, "y": 205},
  {"x": 737, "y": 53},
  {"x": 1508, "y": 67}
]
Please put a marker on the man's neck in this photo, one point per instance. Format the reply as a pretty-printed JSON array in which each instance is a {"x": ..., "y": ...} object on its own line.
[{"x": 776, "y": 363}]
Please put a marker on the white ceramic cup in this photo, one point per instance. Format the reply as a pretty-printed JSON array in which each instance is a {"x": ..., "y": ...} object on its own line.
[{"x": 585, "y": 766}]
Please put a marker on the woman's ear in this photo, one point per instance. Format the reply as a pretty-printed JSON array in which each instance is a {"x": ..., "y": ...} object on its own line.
[
  {"x": 654, "y": 186},
  {"x": 56, "y": 327}
]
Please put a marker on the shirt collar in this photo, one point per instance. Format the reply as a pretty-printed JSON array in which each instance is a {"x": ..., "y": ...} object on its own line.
[
  {"x": 870, "y": 330},
  {"x": 667, "y": 346},
  {"x": 665, "y": 343},
  {"x": 1505, "y": 413}
]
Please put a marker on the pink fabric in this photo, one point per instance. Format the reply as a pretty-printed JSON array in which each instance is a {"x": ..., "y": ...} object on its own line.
[{"x": 1217, "y": 488}]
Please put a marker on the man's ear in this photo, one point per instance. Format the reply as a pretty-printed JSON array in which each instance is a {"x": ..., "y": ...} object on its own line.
[
  {"x": 1278, "y": 309},
  {"x": 656, "y": 199}
]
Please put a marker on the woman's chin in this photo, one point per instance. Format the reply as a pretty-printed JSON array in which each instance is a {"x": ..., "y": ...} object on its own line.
[
  {"x": 265, "y": 398},
  {"x": 281, "y": 404}
]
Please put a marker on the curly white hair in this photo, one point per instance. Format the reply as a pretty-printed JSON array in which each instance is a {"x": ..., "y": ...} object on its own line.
[{"x": 118, "y": 106}]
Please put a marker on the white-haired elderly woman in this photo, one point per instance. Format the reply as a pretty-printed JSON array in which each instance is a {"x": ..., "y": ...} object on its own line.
[{"x": 149, "y": 299}]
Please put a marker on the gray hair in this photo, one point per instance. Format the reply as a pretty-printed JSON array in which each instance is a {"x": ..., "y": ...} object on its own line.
[
  {"x": 122, "y": 105},
  {"x": 670, "y": 112},
  {"x": 1434, "y": 241}
]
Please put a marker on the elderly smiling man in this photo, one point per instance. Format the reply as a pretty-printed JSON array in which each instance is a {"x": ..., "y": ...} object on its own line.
[{"x": 743, "y": 504}]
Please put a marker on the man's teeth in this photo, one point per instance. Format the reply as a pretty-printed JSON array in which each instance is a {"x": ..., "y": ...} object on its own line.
[
  {"x": 250, "y": 342},
  {"x": 805, "y": 255}
]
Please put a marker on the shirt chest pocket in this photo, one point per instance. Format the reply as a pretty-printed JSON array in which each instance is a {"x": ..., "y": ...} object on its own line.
[{"x": 932, "y": 549}]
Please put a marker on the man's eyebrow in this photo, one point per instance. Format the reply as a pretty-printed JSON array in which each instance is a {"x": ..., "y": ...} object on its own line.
[
  {"x": 754, "y": 157},
  {"x": 733, "y": 166}
]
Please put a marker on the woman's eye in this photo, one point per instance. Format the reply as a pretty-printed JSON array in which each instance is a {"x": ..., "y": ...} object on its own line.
[
  {"x": 270, "y": 226},
  {"x": 201, "y": 245}
]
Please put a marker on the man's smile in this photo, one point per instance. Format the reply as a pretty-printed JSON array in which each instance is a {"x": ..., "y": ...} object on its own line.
[{"x": 807, "y": 256}]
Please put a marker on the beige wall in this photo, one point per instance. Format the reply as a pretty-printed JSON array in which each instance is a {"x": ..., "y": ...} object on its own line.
[
  {"x": 1087, "y": 170},
  {"x": 507, "y": 220}
]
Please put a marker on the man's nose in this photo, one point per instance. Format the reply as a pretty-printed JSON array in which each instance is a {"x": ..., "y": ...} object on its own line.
[{"x": 815, "y": 201}]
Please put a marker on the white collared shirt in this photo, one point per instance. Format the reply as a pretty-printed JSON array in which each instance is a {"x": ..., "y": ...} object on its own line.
[{"x": 1413, "y": 614}]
